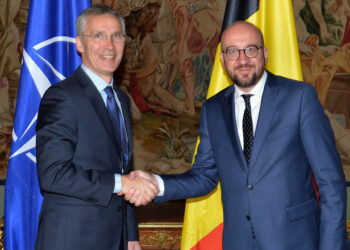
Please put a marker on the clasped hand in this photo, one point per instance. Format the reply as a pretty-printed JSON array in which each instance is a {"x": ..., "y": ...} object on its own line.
[{"x": 139, "y": 188}]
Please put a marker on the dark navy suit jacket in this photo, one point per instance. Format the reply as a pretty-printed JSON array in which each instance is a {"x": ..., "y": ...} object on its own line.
[
  {"x": 77, "y": 158},
  {"x": 274, "y": 195}
]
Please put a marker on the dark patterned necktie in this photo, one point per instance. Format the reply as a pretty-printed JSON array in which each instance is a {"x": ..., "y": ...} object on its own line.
[
  {"x": 248, "y": 136},
  {"x": 118, "y": 124}
]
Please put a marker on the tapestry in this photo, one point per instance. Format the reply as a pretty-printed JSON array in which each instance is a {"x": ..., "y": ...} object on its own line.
[{"x": 166, "y": 69}]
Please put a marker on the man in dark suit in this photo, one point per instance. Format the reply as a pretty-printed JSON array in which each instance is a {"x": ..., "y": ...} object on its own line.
[
  {"x": 84, "y": 147},
  {"x": 265, "y": 137}
]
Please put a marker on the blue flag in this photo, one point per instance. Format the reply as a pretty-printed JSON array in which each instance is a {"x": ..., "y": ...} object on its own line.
[{"x": 49, "y": 55}]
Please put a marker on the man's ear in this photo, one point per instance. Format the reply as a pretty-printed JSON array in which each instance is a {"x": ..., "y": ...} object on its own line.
[
  {"x": 266, "y": 52},
  {"x": 79, "y": 44},
  {"x": 222, "y": 58}
]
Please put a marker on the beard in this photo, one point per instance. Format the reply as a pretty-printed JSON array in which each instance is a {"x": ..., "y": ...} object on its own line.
[{"x": 246, "y": 81}]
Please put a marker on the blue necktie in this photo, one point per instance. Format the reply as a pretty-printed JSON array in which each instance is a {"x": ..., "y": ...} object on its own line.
[
  {"x": 118, "y": 124},
  {"x": 248, "y": 136}
]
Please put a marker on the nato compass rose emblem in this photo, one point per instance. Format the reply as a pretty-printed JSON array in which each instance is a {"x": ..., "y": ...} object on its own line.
[{"x": 43, "y": 65}]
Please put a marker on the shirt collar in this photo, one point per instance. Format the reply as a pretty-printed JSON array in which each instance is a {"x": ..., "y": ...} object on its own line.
[
  {"x": 99, "y": 83},
  {"x": 256, "y": 91}
]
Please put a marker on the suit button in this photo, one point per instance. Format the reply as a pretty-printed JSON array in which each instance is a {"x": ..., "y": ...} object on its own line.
[
  {"x": 120, "y": 208},
  {"x": 253, "y": 234},
  {"x": 248, "y": 217},
  {"x": 250, "y": 187}
]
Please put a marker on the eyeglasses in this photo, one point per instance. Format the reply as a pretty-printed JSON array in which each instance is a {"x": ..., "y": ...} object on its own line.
[
  {"x": 233, "y": 53},
  {"x": 102, "y": 37}
]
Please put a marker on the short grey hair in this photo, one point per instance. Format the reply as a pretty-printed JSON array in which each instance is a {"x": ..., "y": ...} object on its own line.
[{"x": 97, "y": 10}]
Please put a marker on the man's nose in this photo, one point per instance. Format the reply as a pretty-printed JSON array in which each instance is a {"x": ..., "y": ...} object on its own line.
[
  {"x": 242, "y": 58},
  {"x": 109, "y": 42}
]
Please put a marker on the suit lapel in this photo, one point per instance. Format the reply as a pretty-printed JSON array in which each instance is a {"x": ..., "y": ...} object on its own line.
[
  {"x": 92, "y": 94},
  {"x": 267, "y": 111},
  {"x": 229, "y": 115}
]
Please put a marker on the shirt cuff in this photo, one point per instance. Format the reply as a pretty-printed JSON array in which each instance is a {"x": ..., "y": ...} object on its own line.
[
  {"x": 160, "y": 185},
  {"x": 117, "y": 183}
]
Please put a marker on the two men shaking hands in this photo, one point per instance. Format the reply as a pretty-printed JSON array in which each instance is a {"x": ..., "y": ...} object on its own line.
[{"x": 140, "y": 188}]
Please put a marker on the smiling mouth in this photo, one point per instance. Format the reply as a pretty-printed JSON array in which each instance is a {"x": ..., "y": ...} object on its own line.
[
  {"x": 108, "y": 57},
  {"x": 244, "y": 67}
]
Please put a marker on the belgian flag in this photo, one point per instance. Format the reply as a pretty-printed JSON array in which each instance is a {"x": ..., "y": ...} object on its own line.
[{"x": 203, "y": 221}]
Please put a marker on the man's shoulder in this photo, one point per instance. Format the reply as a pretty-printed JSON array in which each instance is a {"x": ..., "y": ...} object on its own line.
[
  {"x": 72, "y": 83},
  {"x": 69, "y": 86},
  {"x": 221, "y": 94},
  {"x": 284, "y": 81},
  {"x": 77, "y": 76}
]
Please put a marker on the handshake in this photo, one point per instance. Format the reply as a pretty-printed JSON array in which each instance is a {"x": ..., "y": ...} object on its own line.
[{"x": 139, "y": 187}]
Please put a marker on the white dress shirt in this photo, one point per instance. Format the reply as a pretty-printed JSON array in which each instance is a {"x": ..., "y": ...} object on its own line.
[{"x": 255, "y": 102}]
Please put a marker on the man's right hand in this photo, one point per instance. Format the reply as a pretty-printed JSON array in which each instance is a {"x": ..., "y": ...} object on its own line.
[{"x": 139, "y": 188}]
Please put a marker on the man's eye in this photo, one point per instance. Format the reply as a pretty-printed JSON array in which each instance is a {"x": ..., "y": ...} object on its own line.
[
  {"x": 98, "y": 35},
  {"x": 250, "y": 49},
  {"x": 231, "y": 51},
  {"x": 117, "y": 36}
]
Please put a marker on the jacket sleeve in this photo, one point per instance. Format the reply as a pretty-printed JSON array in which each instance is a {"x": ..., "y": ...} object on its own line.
[
  {"x": 202, "y": 178},
  {"x": 55, "y": 143},
  {"x": 319, "y": 144}
]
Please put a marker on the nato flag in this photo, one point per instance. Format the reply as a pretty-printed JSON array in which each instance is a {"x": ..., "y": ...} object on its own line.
[{"x": 49, "y": 55}]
